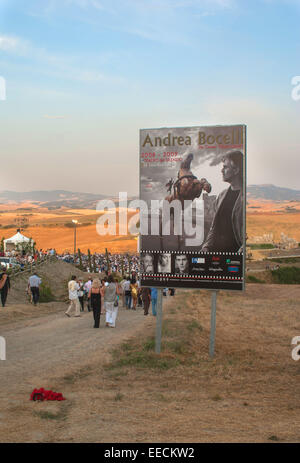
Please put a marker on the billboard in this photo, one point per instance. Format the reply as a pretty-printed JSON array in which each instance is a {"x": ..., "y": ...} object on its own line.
[{"x": 192, "y": 214}]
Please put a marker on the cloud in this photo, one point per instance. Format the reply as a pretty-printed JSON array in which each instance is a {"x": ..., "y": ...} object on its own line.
[
  {"x": 56, "y": 65},
  {"x": 166, "y": 21},
  {"x": 10, "y": 43}
]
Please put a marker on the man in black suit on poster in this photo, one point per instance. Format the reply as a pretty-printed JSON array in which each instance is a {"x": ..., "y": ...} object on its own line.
[{"x": 226, "y": 231}]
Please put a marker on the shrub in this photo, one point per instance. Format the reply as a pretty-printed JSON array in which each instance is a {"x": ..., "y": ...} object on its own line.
[
  {"x": 253, "y": 279},
  {"x": 286, "y": 275},
  {"x": 46, "y": 294},
  {"x": 286, "y": 260},
  {"x": 261, "y": 246}
]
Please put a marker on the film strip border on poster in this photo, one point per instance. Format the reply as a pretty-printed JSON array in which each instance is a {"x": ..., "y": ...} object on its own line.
[{"x": 215, "y": 270}]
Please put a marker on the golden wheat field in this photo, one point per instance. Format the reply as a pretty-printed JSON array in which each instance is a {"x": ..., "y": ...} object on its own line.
[
  {"x": 54, "y": 228},
  {"x": 273, "y": 217}
]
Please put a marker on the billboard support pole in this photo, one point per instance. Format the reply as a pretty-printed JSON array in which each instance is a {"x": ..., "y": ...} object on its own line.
[
  {"x": 158, "y": 320},
  {"x": 213, "y": 315}
]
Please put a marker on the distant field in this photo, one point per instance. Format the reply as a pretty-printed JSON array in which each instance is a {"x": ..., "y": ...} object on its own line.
[
  {"x": 273, "y": 217},
  {"x": 54, "y": 228}
]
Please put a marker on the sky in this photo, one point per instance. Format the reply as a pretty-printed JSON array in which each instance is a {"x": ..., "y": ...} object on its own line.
[{"x": 83, "y": 76}]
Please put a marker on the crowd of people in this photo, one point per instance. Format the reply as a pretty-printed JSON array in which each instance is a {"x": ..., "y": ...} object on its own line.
[
  {"x": 23, "y": 258},
  {"x": 93, "y": 263},
  {"x": 100, "y": 295},
  {"x": 104, "y": 296},
  {"x": 99, "y": 263}
]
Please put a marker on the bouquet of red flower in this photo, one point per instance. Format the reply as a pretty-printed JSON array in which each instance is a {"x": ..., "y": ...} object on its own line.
[{"x": 41, "y": 394}]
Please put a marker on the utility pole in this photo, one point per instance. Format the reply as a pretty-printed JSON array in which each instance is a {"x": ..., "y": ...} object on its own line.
[{"x": 75, "y": 222}]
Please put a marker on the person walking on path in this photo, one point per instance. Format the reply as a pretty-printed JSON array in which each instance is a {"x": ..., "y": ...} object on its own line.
[
  {"x": 146, "y": 298},
  {"x": 81, "y": 295},
  {"x": 122, "y": 283},
  {"x": 102, "y": 312},
  {"x": 95, "y": 298},
  {"x": 87, "y": 288},
  {"x": 73, "y": 288},
  {"x": 127, "y": 292},
  {"x": 4, "y": 286},
  {"x": 34, "y": 283},
  {"x": 134, "y": 292},
  {"x": 154, "y": 300},
  {"x": 111, "y": 302}
]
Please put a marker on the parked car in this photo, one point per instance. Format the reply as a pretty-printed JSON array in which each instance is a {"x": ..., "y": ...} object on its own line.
[
  {"x": 68, "y": 259},
  {"x": 9, "y": 262}
]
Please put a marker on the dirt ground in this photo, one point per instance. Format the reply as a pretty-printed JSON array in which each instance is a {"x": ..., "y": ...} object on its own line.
[{"x": 119, "y": 390}]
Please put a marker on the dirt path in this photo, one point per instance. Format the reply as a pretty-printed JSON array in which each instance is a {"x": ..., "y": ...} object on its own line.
[{"x": 41, "y": 347}]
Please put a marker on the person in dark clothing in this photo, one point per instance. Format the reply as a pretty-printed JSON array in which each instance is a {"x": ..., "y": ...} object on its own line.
[
  {"x": 146, "y": 297},
  {"x": 127, "y": 291},
  {"x": 4, "y": 286},
  {"x": 81, "y": 295},
  {"x": 95, "y": 298}
]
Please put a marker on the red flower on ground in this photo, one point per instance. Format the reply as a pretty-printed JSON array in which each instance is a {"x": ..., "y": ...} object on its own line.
[{"x": 41, "y": 394}]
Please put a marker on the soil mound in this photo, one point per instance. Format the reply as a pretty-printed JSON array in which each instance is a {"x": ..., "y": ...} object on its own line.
[{"x": 54, "y": 275}]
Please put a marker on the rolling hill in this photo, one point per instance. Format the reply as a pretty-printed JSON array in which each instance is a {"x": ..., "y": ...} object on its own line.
[{"x": 272, "y": 193}]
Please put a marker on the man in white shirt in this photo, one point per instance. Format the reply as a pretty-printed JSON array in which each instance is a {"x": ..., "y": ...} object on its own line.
[
  {"x": 73, "y": 288},
  {"x": 34, "y": 285}
]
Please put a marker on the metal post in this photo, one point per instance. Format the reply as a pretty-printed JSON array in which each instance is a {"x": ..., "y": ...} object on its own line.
[
  {"x": 158, "y": 320},
  {"x": 74, "y": 239},
  {"x": 213, "y": 323}
]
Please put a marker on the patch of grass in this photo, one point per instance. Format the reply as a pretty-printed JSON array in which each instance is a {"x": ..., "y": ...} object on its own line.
[
  {"x": 141, "y": 360},
  {"x": 46, "y": 294},
  {"x": 254, "y": 279},
  {"x": 73, "y": 377},
  {"x": 286, "y": 276},
  {"x": 261, "y": 246},
  {"x": 274, "y": 438},
  {"x": 118, "y": 397},
  {"x": 61, "y": 415},
  {"x": 216, "y": 398},
  {"x": 127, "y": 346},
  {"x": 161, "y": 397},
  {"x": 164, "y": 386},
  {"x": 286, "y": 260},
  {"x": 178, "y": 347},
  {"x": 194, "y": 325},
  {"x": 172, "y": 329},
  {"x": 140, "y": 353},
  {"x": 149, "y": 345},
  {"x": 116, "y": 375}
]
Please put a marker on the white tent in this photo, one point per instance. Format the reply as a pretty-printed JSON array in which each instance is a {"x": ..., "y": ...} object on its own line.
[{"x": 12, "y": 243}]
